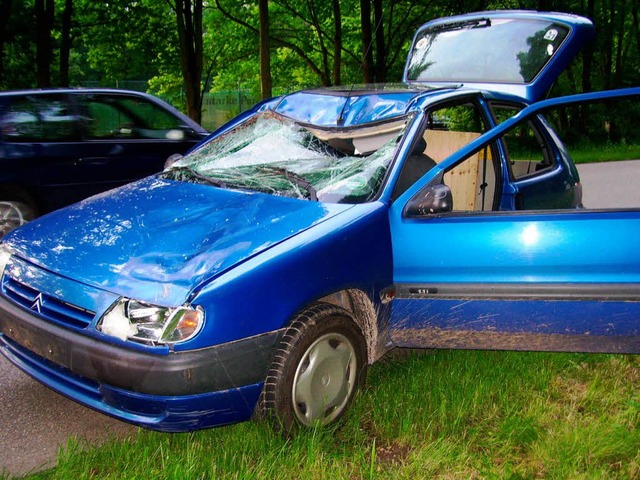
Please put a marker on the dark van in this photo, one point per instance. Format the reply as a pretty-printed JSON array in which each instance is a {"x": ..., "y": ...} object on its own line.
[{"x": 61, "y": 146}]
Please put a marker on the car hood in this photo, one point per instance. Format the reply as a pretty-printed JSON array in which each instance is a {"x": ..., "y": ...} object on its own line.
[{"x": 156, "y": 240}]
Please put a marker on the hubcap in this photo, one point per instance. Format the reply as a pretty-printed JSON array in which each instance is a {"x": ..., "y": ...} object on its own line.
[
  {"x": 324, "y": 379},
  {"x": 10, "y": 217}
]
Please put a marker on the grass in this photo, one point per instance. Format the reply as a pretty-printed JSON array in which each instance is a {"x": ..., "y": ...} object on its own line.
[
  {"x": 605, "y": 153},
  {"x": 441, "y": 415}
]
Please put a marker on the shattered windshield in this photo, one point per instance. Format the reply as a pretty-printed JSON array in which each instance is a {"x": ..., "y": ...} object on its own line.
[{"x": 275, "y": 155}]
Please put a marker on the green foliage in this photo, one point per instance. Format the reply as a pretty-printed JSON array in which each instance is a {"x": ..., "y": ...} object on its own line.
[
  {"x": 443, "y": 414},
  {"x": 124, "y": 40}
]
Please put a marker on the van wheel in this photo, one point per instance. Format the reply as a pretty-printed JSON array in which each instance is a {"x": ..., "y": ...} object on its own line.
[
  {"x": 14, "y": 213},
  {"x": 320, "y": 363}
]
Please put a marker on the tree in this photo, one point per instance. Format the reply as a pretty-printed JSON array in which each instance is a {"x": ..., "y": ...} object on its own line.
[
  {"x": 5, "y": 10},
  {"x": 265, "y": 50},
  {"x": 337, "y": 44},
  {"x": 187, "y": 47},
  {"x": 65, "y": 43},
  {"x": 44, "y": 13},
  {"x": 189, "y": 17},
  {"x": 368, "y": 74}
]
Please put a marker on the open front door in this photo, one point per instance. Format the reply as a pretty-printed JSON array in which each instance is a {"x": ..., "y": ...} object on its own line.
[{"x": 559, "y": 279}]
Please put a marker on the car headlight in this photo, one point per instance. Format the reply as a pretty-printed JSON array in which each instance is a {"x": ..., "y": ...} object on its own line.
[{"x": 151, "y": 324}]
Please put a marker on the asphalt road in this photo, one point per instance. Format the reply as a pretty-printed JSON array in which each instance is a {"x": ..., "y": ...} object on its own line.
[
  {"x": 35, "y": 422},
  {"x": 610, "y": 185}
]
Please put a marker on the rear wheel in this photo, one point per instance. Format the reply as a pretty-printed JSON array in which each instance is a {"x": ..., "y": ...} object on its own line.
[
  {"x": 319, "y": 365},
  {"x": 14, "y": 213}
]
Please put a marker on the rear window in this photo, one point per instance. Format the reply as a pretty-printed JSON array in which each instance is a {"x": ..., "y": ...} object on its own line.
[{"x": 484, "y": 51}]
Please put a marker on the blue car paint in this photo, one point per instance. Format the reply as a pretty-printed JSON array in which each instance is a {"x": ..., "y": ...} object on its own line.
[
  {"x": 253, "y": 276},
  {"x": 349, "y": 251},
  {"x": 562, "y": 249},
  {"x": 167, "y": 414},
  {"x": 156, "y": 239}
]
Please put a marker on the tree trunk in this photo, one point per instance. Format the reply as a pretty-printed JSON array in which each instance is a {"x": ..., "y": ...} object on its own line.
[
  {"x": 65, "y": 43},
  {"x": 5, "y": 12},
  {"x": 587, "y": 53},
  {"x": 636, "y": 24},
  {"x": 607, "y": 38},
  {"x": 337, "y": 43},
  {"x": 44, "y": 10},
  {"x": 620, "y": 42},
  {"x": 367, "y": 39},
  {"x": 381, "y": 48},
  {"x": 190, "y": 39},
  {"x": 265, "y": 51}
]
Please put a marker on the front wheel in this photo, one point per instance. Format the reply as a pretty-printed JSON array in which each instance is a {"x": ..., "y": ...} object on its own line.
[{"x": 319, "y": 365}]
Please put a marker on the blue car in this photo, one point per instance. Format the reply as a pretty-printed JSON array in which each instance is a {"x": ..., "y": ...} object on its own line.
[{"x": 263, "y": 271}]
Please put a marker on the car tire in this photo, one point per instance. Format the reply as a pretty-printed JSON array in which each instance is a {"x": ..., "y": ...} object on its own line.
[
  {"x": 319, "y": 365},
  {"x": 14, "y": 213}
]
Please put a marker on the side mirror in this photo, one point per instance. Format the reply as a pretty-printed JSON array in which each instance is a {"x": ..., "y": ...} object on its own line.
[{"x": 431, "y": 200}]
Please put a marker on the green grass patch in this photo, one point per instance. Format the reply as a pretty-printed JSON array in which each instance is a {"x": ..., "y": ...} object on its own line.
[
  {"x": 604, "y": 153},
  {"x": 439, "y": 415}
]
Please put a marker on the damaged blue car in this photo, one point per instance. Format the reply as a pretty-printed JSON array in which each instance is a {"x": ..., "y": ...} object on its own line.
[{"x": 263, "y": 271}]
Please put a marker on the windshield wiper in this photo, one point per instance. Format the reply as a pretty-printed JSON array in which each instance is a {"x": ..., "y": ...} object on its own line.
[
  {"x": 197, "y": 175},
  {"x": 295, "y": 178},
  {"x": 448, "y": 27}
]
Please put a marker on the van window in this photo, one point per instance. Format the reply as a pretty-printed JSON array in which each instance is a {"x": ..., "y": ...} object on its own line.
[
  {"x": 38, "y": 118},
  {"x": 121, "y": 116}
]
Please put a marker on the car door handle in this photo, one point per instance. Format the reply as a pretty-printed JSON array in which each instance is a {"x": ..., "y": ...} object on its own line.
[{"x": 92, "y": 161}]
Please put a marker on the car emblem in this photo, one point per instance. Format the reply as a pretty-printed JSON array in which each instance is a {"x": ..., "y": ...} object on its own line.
[{"x": 37, "y": 303}]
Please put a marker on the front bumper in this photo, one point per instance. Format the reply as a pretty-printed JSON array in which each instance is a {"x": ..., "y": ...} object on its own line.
[{"x": 177, "y": 391}]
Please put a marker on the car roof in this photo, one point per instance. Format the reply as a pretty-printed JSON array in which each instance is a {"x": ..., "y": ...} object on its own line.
[
  {"x": 36, "y": 91},
  {"x": 350, "y": 106},
  {"x": 110, "y": 91}
]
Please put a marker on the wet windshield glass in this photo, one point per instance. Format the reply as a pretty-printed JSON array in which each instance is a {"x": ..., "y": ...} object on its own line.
[
  {"x": 272, "y": 154},
  {"x": 493, "y": 51}
]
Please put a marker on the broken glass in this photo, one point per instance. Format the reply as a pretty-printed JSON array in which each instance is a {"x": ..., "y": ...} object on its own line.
[{"x": 272, "y": 154}]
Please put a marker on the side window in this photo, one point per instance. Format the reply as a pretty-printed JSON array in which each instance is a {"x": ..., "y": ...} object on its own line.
[
  {"x": 119, "y": 116},
  {"x": 573, "y": 156},
  {"x": 601, "y": 140},
  {"x": 38, "y": 118},
  {"x": 447, "y": 129},
  {"x": 474, "y": 182},
  {"x": 150, "y": 115},
  {"x": 103, "y": 119},
  {"x": 526, "y": 149}
]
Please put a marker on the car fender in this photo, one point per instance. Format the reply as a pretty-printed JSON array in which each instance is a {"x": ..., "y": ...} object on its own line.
[{"x": 351, "y": 251}]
